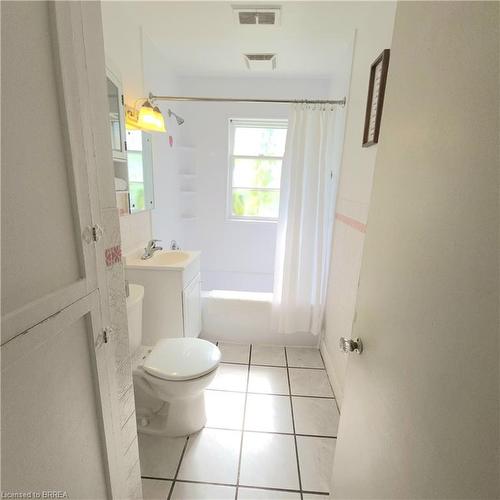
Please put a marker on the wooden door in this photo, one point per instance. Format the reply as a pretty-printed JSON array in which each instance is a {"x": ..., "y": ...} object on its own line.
[
  {"x": 56, "y": 400},
  {"x": 420, "y": 414}
]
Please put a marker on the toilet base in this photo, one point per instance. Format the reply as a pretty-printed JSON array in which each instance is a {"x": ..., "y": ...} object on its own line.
[{"x": 177, "y": 417}]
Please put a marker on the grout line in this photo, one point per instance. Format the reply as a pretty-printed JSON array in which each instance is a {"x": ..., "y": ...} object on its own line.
[
  {"x": 293, "y": 426},
  {"x": 326, "y": 436},
  {"x": 272, "y": 393},
  {"x": 231, "y": 485},
  {"x": 331, "y": 386},
  {"x": 272, "y": 366},
  {"x": 243, "y": 423},
  {"x": 178, "y": 469}
]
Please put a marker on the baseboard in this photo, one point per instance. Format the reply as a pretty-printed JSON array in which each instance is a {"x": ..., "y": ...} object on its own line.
[{"x": 337, "y": 388}]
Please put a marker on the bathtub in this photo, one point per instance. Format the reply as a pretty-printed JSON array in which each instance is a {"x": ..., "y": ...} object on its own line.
[{"x": 244, "y": 317}]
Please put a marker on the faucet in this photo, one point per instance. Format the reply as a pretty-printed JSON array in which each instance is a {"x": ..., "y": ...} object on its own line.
[
  {"x": 174, "y": 245},
  {"x": 150, "y": 249}
]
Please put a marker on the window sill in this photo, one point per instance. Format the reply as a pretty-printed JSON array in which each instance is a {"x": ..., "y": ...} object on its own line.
[{"x": 249, "y": 219}]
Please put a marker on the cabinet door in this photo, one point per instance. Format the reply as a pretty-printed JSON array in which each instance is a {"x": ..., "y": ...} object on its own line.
[
  {"x": 116, "y": 117},
  {"x": 191, "y": 308},
  {"x": 49, "y": 189},
  {"x": 58, "y": 429},
  {"x": 56, "y": 417}
]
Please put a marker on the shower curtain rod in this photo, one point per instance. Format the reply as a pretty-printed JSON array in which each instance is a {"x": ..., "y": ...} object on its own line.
[{"x": 152, "y": 97}]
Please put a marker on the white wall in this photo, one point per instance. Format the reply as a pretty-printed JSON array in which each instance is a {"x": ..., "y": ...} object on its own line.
[
  {"x": 142, "y": 68},
  {"x": 235, "y": 255},
  {"x": 374, "y": 33}
]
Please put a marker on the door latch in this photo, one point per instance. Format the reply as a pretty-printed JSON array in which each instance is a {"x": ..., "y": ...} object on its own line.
[{"x": 351, "y": 345}]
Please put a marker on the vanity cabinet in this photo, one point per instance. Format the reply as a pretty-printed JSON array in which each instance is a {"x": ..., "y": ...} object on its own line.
[
  {"x": 172, "y": 294},
  {"x": 191, "y": 308}
]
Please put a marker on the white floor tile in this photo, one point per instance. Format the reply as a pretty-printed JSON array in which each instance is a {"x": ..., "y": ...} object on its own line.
[
  {"x": 312, "y": 496},
  {"x": 304, "y": 357},
  {"x": 306, "y": 382},
  {"x": 230, "y": 378},
  {"x": 268, "y": 355},
  {"x": 193, "y": 491},
  {"x": 225, "y": 409},
  {"x": 160, "y": 456},
  {"x": 154, "y": 489},
  {"x": 256, "y": 494},
  {"x": 316, "y": 462},
  {"x": 268, "y": 460},
  {"x": 212, "y": 456},
  {"x": 268, "y": 380},
  {"x": 234, "y": 353},
  {"x": 315, "y": 416},
  {"x": 268, "y": 413}
]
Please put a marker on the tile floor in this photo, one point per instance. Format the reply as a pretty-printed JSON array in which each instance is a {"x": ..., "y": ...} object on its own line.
[{"x": 270, "y": 433}]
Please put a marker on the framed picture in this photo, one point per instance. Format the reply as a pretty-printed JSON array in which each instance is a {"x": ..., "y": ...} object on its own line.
[{"x": 375, "y": 102}]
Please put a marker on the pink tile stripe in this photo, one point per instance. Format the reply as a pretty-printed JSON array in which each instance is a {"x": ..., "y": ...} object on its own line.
[{"x": 355, "y": 224}]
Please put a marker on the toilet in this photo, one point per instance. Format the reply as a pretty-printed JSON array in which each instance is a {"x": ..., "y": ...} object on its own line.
[{"x": 169, "y": 377}]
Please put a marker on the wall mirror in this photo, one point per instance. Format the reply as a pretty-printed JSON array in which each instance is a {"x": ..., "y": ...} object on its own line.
[{"x": 140, "y": 170}]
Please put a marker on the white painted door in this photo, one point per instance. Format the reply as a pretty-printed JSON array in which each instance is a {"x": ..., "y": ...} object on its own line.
[
  {"x": 56, "y": 415},
  {"x": 57, "y": 425},
  {"x": 191, "y": 308},
  {"x": 48, "y": 255},
  {"x": 420, "y": 417}
]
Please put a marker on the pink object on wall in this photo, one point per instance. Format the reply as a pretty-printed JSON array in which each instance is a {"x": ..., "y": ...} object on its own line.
[
  {"x": 113, "y": 255},
  {"x": 355, "y": 224}
]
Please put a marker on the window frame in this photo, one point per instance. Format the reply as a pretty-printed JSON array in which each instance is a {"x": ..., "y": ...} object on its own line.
[{"x": 235, "y": 123}]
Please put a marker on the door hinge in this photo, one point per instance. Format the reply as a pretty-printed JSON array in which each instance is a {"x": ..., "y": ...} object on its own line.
[
  {"x": 92, "y": 233},
  {"x": 123, "y": 101},
  {"x": 125, "y": 144},
  {"x": 103, "y": 337},
  {"x": 105, "y": 334}
]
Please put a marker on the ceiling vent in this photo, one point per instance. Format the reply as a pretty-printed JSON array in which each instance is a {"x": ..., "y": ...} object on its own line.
[
  {"x": 252, "y": 16},
  {"x": 260, "y": 62}
]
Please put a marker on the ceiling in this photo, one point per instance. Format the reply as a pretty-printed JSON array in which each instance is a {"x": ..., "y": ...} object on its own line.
[{"x": 202, "y": 38}]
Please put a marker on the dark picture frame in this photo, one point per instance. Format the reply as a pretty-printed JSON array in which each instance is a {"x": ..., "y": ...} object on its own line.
[{"x": 375, "y": 100}]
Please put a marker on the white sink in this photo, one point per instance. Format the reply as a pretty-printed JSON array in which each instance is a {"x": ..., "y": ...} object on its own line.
[{"x": 163, "y": 260}]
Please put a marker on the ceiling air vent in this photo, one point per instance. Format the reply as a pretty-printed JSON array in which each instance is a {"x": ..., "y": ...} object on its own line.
[
  {"x": 251, "y": 16},
  {"x": 260, "y": 62}
]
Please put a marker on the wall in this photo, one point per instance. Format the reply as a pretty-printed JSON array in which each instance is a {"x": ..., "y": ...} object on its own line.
[
  {"x": 235, "y": 255},
  {"x": 353, "y": 197},
  {"x": 142, "y": 68}
]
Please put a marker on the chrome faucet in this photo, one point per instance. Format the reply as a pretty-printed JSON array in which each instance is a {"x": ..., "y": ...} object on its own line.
[
  {"x": 150, "y": 249},
  {"x": 174, "y": 245}
]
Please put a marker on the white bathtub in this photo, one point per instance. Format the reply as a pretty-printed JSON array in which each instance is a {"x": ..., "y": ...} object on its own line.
[{"x": 244, "y": 317}]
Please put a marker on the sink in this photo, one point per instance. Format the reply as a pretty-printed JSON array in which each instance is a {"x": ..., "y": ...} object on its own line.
[
  {"x": 170, "y": 258},
  {"x": 165, "y": 260}
]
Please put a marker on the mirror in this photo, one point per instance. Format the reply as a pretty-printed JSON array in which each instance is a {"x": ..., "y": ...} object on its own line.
[{"x": 140, "y": 170}]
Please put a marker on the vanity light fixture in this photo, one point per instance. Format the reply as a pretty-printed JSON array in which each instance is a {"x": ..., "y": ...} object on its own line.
[{"x": 146, "y": 118}]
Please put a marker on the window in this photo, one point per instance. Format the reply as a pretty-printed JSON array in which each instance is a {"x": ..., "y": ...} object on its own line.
[{"x": 256, "y": 150}]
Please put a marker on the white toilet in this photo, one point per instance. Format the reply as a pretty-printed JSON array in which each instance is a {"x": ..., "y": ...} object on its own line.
[{"x": 169, "y": 378}]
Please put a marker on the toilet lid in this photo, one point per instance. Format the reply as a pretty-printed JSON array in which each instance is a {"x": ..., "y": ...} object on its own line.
[{"x": 182, "y": 358}]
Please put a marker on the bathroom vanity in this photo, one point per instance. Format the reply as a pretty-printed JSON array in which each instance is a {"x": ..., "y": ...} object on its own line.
[{"x": 172, "y": 298}]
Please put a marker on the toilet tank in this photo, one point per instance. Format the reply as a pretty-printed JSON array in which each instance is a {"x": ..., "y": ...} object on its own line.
[{"x": 134, "y": 313}]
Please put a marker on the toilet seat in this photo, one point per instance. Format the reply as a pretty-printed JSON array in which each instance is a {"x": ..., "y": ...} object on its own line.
[{"x": 182, "y": 358}]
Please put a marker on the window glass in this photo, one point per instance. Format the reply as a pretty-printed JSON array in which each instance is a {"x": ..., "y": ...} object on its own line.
[{"x": 256, "y": 154}]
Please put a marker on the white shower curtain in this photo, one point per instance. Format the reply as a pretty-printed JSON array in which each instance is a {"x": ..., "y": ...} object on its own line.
[{"x": 308, "y": 191}]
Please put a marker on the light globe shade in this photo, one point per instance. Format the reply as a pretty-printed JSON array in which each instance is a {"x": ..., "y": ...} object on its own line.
[{"x": 150, "y": 119}]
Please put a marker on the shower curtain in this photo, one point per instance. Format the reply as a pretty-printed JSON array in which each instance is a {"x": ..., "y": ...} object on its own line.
[{"x": 308, "y": 192}]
